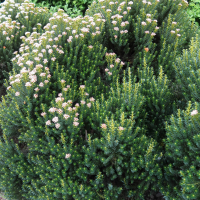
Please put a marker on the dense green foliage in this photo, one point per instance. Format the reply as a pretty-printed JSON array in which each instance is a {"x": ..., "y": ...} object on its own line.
[
  {"x": 182, "y": 141},
  {"x": 91, "y": 104}
]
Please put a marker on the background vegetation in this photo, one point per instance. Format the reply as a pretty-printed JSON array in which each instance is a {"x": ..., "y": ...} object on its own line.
[{"x": 78, "y": 7}]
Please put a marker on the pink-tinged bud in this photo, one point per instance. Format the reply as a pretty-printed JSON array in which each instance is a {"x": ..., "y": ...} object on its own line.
[
  {"x": 194, "y": 112},
  {"x": 121, "y": 128},
  {"x": 43, "y": 114},
  {"x": 103, "y": 126},
  {"x": 67, "y": 155}
]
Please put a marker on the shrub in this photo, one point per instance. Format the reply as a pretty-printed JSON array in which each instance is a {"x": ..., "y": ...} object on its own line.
[
  {"x": 187, "y": 71},
  {"x": 72, "y": 128},
  {"x": 158, "y": 27},
  {"x": 182, "y": 143}
]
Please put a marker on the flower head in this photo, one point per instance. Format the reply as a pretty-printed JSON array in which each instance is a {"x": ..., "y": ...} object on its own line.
[
  {"x": 143, "y": 23},
  {"x": 28, "y": 84},
  {"x": 82, "y": 102},
  {"x": 67, "y": 155},
  {"x": 66, "y": 116},
  {"x": 55, "y": 119},
  {"x": 121, "y": 128},
  {"x": 59, "y": 111},
  {"x": 194, "y": 112},
  {"x": 52, "y": 109},
  {"x": 35, "y": 95},
  {"x": 57, "y": 125},
  {"x": 43, "y": 114},
  {"x": 75, "y": 123},
  {"x": 76, "y": 119},
  {"x": 41, "y": 84},
  {"x": 92, "y": 99},
  {"x": 103, "y": 126},
  {"x": 17, "y": 93},
  {"x": 89, "y": 105},
  {"x": 48, "y": 122}
]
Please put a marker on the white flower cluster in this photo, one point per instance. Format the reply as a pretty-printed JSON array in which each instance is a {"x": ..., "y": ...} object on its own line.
[{"x": 55, "y": 119}]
